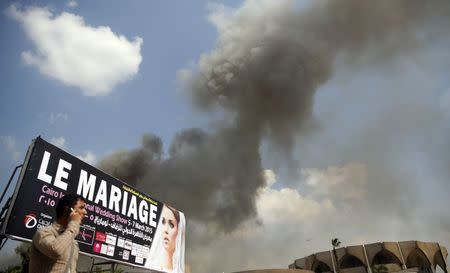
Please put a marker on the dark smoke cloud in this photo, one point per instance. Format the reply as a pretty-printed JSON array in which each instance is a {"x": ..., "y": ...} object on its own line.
[
  {"x": 265, "y": 71},
  {"x": 132, "y": 166},
  {"x": 211, "y": 178},
  {"x": 271, "y": 57}
]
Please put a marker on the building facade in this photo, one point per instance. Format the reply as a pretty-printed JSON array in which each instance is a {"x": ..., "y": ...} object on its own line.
[{"x": 381, "y": 257}]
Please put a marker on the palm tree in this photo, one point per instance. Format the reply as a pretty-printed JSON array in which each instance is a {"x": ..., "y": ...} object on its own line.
[{"x": 335, "y": 243}]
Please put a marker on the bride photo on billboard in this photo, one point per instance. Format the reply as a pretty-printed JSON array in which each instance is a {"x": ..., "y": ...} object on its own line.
[{"x": 167, "y": 249}]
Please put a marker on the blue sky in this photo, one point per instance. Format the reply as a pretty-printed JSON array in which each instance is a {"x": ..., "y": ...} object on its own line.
[
  {"x": 174, "y": 35},
  {"x": 108, "y": 72}
]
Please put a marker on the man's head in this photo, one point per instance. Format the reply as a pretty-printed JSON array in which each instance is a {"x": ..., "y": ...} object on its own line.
[{"x": 67, "y": 205}]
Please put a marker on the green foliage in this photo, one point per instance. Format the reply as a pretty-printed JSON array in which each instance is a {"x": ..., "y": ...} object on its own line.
[
  {"x": 335, "y": 242},
  {"x": 23, "y": 250},
  {"x": 381, "y": 268},
  {"x": 12, "y": 269}
]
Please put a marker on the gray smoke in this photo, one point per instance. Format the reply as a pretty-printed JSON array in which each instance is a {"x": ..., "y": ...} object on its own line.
[
  {"x": 211, "y": 178},
  {"x": 265, "y": 71},
  {"x": 271, "y": 58}
]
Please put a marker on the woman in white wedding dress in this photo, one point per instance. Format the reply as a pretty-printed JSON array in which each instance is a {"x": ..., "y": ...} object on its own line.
[{"x": 167, "y": 250}]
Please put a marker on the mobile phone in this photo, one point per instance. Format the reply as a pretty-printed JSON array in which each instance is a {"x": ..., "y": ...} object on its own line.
[{"x": 73, "y": 211}]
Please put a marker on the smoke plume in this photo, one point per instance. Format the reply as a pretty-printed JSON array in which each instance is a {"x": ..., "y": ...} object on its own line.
[{"x": 270, "y": 59}]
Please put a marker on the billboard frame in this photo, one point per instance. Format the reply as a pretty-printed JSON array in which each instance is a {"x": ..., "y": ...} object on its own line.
[
  {"x": 16, "y": 190},
  {"x": 137, "y": 230}
]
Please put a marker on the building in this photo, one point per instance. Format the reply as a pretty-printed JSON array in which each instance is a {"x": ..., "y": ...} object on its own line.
[{"x": 382, "y": 257}]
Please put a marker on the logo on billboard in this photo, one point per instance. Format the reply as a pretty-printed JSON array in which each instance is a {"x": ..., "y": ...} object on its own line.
[
  {"x": 100, "y": 236},
  {"x": 97, "y": 247},
  {"x": 46, "y": 216},
  {"x": 86, "y": 235},
  {"x": 30, "y": 220}
]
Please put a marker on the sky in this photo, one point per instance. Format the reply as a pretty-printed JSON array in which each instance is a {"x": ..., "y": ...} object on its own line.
[{"x": 274, "y": 125}]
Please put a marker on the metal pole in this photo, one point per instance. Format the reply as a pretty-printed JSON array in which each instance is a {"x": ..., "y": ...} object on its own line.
[
  {"x": 4, "y": 242},
  {"x": 9, "y": 182},
  {"x": 443, "y": 259},
  {"x": 92, "y": 265},
  {"x": 401, "y": 255},
  {"x": 369, "y": 269},
  {"x": 332, "y": 261}
]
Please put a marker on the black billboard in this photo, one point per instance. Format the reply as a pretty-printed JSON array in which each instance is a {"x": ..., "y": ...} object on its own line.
[{"x": 121, "y": 222}]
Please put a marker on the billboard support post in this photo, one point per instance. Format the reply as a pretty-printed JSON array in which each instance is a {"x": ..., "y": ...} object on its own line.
[
  {"x": 3, "y": 238},
  {"x": 9, "y": 182},
  {"x": 113, "y": 266}
]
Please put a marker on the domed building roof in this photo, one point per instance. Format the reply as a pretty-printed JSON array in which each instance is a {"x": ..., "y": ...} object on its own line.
[{"x": 381, "y": 257}]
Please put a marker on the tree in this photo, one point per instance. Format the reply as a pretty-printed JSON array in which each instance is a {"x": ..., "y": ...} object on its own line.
[
  {"x": 381, "y": 268},
  {"x": 335, "y": 243},
  {"x": 23, "y": 250},
  {"x": 12, "y": 269}
]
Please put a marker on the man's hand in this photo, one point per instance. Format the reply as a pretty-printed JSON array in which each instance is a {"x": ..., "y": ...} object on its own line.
[{"x": 75, "y": 216}]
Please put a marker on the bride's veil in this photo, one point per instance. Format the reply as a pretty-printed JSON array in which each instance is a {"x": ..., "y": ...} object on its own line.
[{"x": 156, "y": 254}]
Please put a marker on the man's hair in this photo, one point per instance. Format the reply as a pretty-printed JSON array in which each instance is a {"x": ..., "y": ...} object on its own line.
[{"x": 65, "y": 203}]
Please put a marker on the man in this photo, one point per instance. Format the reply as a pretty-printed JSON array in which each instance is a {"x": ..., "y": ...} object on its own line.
[{"x": 54, "y": 249}]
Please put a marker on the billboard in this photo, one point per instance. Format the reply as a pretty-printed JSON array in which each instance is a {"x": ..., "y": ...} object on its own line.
[{"x": 123, "y": 225}]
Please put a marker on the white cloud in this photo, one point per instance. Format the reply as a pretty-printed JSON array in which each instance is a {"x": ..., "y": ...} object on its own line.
[
  {"x": 288, "y": 204},
  {"x": 344, "y": 183},
  {"x": 333, "y": 187},
  {"x": 59, "y": 142},
  {"x": 88, "y": 157},
  {"x": 72, "y": 4},
  {"x": 10, "y": 145},
  {"x": 291, "y": 224},
  {"x": 269, "y": 177},
  {"x": 54, "y": 117},
  {"x": 295, "y": 223},
  {"x": 94, "y": 59}
]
